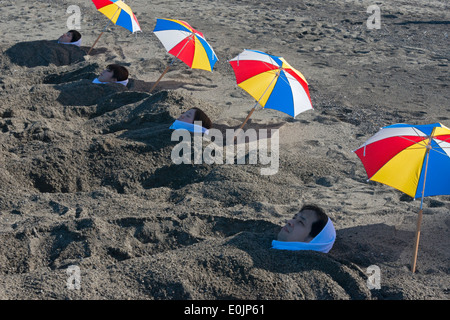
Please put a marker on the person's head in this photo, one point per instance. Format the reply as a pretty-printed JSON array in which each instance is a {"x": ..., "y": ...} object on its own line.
[
  {"x": 305, "y": 225},
  {"x": 113, "y": 73},
  {"x": 196, "y": 114},
  {"x": 70, "y": 36}
]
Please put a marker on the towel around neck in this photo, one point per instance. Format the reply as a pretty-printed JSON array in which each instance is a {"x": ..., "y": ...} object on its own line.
[
  {"x": 188, "y": 126},
  {"x": 75, "y": 43},
  {"x": 323, "y": 242},
  {"x": 124, "y": 82}
]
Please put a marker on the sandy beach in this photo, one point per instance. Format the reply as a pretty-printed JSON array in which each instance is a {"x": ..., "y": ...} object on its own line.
[{"x": 87, "y": 180}]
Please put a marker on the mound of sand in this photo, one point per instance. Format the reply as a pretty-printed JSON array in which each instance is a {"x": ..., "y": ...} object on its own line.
[
  {"x": 108, "y": 140},
  {"x": 43, "y": 53}
]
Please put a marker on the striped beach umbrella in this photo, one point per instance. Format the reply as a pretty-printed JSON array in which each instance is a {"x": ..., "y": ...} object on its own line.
[
  {"x": 185, "y": 43},
  {"x": 118, "y": 13},
  {"x": 414, "y": 159},
  {"x": 273, "y": 82}
]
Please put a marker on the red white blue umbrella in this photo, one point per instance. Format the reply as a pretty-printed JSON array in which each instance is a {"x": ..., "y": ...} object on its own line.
[
  {"x": 118, "y": 13},
  {"x": 414, "y": 159},
  {"x": 273, "y": 82},
  {"x": 185, "y": 43}
]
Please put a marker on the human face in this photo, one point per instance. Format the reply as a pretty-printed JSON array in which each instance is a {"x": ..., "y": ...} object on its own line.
[
  {"x": 107, "y": 76},
  {"x": 188, "y": 116},
  {"x": 66, "y": 37},
  {"x": 298, "y": 228}
]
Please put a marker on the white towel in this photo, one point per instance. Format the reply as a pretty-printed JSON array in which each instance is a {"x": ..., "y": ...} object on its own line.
[
  {"x": 188, "y": 126},
  {"x": 124, "y": 82},
  {"x": 76, "y": 43},
  {"x": 323, "y": 242}
]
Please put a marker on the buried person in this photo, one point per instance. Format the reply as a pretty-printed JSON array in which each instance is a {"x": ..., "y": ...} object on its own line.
[
  {"x": 114, "y": 73},
  {"x": 193, "y": 120},
  {"x": 196, "y": 121},
  {"x": 70, "y": 37},
  {"x": 309, "y": 229}
]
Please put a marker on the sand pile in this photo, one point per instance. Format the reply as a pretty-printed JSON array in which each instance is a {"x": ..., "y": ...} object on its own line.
[{"x": 43, "y": 53}]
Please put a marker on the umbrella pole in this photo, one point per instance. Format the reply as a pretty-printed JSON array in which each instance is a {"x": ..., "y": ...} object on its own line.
[
  {"x": 167, "y": 69},
  {"x": 248, "y": 116},
  {"x": 159, "y": 79},
  {"x": 103, "y": 31},
  {"x": 416, "y": 241},
  {"x": 94, "y": 43},
  {"x": 253, "y": 109},
  {"x": 245, "y": 121},
  {"x": 419, "y": 218}
]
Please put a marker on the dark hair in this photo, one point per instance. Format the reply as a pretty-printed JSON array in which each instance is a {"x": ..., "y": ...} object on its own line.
[
  {"x": 201, "y": 116},
  {"x": 321, "y": 221},
  {"x": 119, "y": 72},
  {"x": 75, "y": 35}
]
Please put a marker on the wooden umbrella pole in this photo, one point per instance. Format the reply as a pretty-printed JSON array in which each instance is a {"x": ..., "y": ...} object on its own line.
[
  {"x": 416, "y": 241},
  {"x": 248, "y": 116},
  {"x": 95, "y": 43},
  {"x": 173, "y": 60},
  {"x": 253, "y": 109},
  {"x": 103, "y": 30},
  {"x": 245, "y": 121},
  {"x": 419, "y": 218},
  {"x": 159, "y": 79},
  {"x": 165, "y": 71}
]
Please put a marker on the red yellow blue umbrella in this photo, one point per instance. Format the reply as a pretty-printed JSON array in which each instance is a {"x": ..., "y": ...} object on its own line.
[
  {"x": 414, "y": 159},
  {"x": 118, "y": 13},
  {"x": 273, "y": 82},
  {"x": 185, "y": 43}
]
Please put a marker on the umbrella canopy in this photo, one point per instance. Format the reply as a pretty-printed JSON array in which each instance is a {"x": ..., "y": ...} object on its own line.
[
  {"x": 400, "y": 155},
  {"x": 185, "y": 43},
  {"x": 414, "y": 159},
  {"x": 272, "y": 82},
  {"x": 118, "y": 13}
]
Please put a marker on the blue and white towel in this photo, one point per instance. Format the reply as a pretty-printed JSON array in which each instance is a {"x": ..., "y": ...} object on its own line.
[
  {"x": 75, "y": 43},
  {"x": 124, "y": 82},
  {"x": 323, "y": 242},
  {"x": 188, "y": 126}
]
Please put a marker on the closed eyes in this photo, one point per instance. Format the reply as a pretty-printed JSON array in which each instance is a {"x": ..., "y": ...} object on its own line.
[{"x": 299, "y": 219}]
